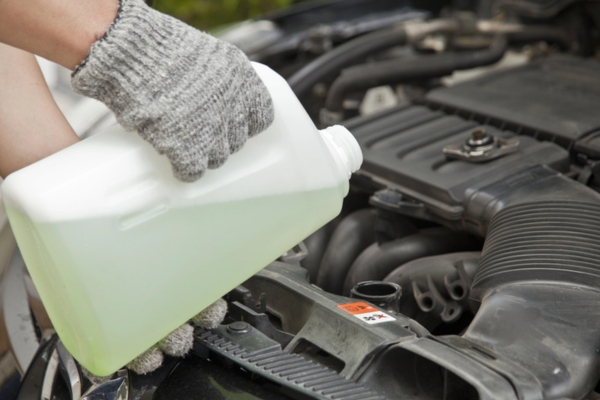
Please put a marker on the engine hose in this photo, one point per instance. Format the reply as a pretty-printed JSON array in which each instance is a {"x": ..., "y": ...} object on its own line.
[
  {"x": 354, "y": 51},
  {"x": 377, "y": 261},
  {"x": 316, "y": 245},
  {"x": 519, "y": 33},
  {"x": 435, "y": 289},
  {"x": 355, "y": 233},
  {"x": 370, "y": 75},
  {"x": 532, "y": 34},
  {"x": 539, "y": 288},
  {"x": 329, "y": 65}
]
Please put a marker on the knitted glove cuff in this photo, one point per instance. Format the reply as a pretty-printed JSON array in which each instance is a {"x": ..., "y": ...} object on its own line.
[
  {"x": 132, "y": 63},
  {"x": 193, "y": 97}
]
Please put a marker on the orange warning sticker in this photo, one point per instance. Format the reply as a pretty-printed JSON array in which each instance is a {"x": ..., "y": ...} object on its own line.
[
  {"x": 357, "y": 308},
  {"x": 366, "y": 313}
]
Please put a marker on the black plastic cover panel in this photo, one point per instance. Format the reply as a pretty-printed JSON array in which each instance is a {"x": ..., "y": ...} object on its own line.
[
  {"x": 402, "y": 148},
  {"x": 556, "y": 99}
]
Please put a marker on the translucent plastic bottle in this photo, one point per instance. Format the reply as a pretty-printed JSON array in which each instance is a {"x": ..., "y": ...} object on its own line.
[{"x": 122, "y": 253}]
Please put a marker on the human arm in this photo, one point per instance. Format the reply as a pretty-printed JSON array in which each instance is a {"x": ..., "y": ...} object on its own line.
[
  {"x": 222, "y": 107},
  {"x": 31, "y": 128},
  {"x": 31, "y": 125},
  {"x": 58, "y": 30},
  {"x": 195, "y": 98}
]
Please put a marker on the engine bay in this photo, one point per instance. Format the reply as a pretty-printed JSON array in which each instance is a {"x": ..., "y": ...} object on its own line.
[
  {"x": 446, "y": 283},
  {"x": 464, "y": 264}
]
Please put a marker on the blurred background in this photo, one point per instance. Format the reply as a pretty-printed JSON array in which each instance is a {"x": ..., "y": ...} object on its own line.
[{"x": 208, "y": 14}]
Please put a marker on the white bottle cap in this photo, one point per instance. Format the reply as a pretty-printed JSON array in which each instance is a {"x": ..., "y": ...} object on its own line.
[{"x": 343, "y": 144}]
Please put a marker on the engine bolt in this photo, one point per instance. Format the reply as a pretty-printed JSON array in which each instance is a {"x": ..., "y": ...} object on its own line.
[
  {"x": 478, "y": 134},
  {"x": 239, "y": 327},
  {"x": 480, "y": 137}
]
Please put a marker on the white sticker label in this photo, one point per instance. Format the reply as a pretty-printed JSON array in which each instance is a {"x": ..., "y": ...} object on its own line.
[{"x": 374, "y": 317}]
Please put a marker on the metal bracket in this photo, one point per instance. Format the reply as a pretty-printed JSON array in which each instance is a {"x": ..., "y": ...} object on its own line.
[{"x": 481, "y": 147}]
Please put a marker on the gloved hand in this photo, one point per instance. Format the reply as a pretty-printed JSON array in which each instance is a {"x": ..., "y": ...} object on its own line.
[
  {"x": 195, "y": 98},
  {"x": 178, "y": 343}
]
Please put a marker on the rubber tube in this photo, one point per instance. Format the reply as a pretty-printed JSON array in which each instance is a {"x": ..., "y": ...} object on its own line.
[
  {"x": 548, "y": 34},
  {"x": 516, "y": 33},
  {"x": 376, "y": 261},
  {"x": 396, "y": 71},
  {"x": 330, "y": 64},
  {"x": 316, "y": 245},
  {"x": 354, "y": 234},
  {"x": 393, "y": 71}
]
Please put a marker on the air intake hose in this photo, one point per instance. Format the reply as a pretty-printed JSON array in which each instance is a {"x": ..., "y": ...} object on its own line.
[
  {"x": 396, "y": 71},
  {"x": 538, "y": 285}
]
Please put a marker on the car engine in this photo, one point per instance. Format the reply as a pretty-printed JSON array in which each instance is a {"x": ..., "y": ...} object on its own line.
[{"x": 465, "y": 263}]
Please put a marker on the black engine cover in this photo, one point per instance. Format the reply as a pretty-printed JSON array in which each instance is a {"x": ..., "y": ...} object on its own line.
[{"x": 550, "y": 105}]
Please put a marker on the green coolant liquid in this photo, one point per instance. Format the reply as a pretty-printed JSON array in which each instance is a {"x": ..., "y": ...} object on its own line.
[{"x": 115, "y": 286}]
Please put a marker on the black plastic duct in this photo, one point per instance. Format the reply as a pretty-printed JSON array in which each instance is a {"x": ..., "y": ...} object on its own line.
[
  {"x": 377, "y": 261},
  {"x": 538, "y": 283},
  {"x": 539, "y": 288},
  {"x": 436, "y": 289},
  {"x": 536, "y": 333}
]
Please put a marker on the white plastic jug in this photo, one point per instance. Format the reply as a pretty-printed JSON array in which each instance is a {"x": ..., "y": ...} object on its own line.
[{"x": 122, "y": 253}]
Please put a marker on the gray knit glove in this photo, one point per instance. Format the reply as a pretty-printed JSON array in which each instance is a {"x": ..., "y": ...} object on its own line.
[
  {"x": 195, "y": 98},
  {"x": 177, "y": 344}
]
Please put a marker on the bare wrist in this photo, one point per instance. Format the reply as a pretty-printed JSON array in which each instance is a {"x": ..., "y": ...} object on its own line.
[{"x": 58, "y": 30}]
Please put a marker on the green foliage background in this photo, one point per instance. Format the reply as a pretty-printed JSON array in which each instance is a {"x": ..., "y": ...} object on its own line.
[{"x": 207, "y": 14}]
